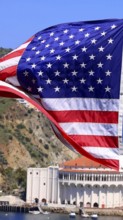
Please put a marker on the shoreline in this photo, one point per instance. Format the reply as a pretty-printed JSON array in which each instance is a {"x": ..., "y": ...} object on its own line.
[
  {"x": 62, "y": 209},
  {"x": 99, "y": 211}
]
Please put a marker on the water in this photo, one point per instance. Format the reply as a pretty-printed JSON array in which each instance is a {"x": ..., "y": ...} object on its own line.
[{"x": 51, "y": 216}]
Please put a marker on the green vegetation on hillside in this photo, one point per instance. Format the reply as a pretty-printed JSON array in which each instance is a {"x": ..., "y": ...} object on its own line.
[
  {"x": 4, "y": 51},
  {"x": 15, "y": 179},
  {"x": 5, "y": 104}
]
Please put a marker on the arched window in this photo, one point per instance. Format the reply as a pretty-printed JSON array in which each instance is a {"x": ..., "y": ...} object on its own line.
[{"x": 96, "y": 205}]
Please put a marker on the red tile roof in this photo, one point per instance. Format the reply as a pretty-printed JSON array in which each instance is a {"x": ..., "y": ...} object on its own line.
[{"x": 82, "y": 162}]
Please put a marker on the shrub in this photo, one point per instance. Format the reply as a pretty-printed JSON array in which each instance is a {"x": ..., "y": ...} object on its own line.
[
  {"x": 46, "y": 146},
  {"x": 10, "y": 138},
  {"x": 20, "y": 126},
  {"x": 30, "y": 130}
]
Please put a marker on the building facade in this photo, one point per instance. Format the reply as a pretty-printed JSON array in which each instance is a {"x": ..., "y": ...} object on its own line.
[
  {"x": 42, "y": 183},
  {"x": 81, "y": 182}
]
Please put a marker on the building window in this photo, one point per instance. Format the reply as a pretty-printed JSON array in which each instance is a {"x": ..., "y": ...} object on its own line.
[
  {"x": 66, "y": 177},
  {"x": 60, "y": 176},
  {"x": 82, "y": 177},
  {"x": 73, "y": 177}
]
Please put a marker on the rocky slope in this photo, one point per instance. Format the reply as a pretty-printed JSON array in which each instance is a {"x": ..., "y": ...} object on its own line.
[{"x": 26, "y": 139}]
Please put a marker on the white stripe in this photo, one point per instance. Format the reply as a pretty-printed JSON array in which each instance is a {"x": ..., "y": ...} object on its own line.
[
  {"x": 103, "y": 152},
  {"x": 61, "y": 104},
  {"x": 22, "y": 46},
  {"x": 2, "y": 83},
  {"x": 8, "y": 63},
  {"x": 13, "y": 80},
  {"x": 78, "y": 128}
]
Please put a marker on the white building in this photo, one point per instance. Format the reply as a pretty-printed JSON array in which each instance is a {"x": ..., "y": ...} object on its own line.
[{"x": 81, "y": 182}]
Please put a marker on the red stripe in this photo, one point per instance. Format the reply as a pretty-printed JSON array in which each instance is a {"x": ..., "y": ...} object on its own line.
[
  {"x": 85, "y": 116},
  {"x": 109, "y": 163},
  {"x": 12, "y": 55},
  {"x": 8, "y": 95},
  {"x": 95, "y": 141},
  {"x": 8, "y": 72}
]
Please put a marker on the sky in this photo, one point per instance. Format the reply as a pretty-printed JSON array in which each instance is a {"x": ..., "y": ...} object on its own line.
[{"x": 21, "y": 19}]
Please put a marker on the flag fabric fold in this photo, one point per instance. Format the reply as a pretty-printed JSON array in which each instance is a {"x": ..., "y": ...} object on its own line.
[{"x": 72, "y": 73}]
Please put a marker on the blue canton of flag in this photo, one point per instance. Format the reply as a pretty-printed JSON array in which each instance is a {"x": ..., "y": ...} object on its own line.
[{"x": 74, "y": 60}]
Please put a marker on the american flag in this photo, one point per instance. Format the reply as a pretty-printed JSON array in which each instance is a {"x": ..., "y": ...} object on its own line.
[{"x": 72, "y": 73}]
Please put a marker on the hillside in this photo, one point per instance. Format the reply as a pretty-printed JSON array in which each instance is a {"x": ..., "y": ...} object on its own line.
[
  {"x": 26, "y": 140},
  {"x": 26, "y": 137}
]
